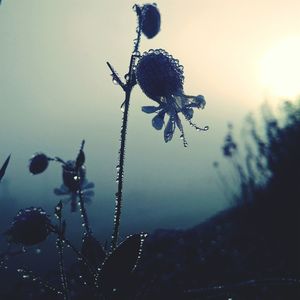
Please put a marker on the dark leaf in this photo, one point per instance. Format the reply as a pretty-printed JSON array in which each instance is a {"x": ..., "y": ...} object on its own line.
[
  {"x": 92, "y": 250},
  {"x": 3, "y": 168},
  {"x": 120, "y": 263}
]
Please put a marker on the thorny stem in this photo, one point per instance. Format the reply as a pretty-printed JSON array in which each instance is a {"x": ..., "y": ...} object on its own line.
[
  {"x": 84, "y": 216},
  {"x": 80, "y": 193},
  {"x": 74, "y": 249},
  {"x": 120, "y": 172},
  {"x": 60, "y": 242},
  {"x": 130, "y": 82}
]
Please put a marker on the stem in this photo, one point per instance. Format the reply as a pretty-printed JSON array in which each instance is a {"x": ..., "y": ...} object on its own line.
[
  {"x": 130, "y": 82},
  {"x": 83, "y": 213},
  {"x": 120, "y": 172},
  {"x": 61, "y": 263}
]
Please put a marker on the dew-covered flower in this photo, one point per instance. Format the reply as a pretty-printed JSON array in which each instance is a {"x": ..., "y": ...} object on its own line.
[
  {"x": 149, "y": 19},
  {"x": 70, "y": 175},
  {"x": 38, "y": 163},
  {"x": 30, "y": 226},
  {"x": 160, "y": 76},
  {"x": 72, "y": 182}
]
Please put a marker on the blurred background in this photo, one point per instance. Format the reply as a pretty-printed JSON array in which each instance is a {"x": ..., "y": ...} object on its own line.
[{"x": 56, "y": 89}]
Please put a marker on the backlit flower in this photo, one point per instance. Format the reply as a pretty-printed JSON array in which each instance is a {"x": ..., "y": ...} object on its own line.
[
  {"x": 160, "y": 76},
  {"x": 72, "y": 182},
  {"x": 30, "y": 226}
]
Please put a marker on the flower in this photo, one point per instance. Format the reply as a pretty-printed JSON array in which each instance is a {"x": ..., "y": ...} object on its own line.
[
  {"x": 149, "y": 19},
  {"x": 71, "y": 183},
  {"x": 160, "y": 76},
  {"x": 30, "y": 226},
  {"x": 38, "y": 163},
  {"x": 70, "y": 176}
]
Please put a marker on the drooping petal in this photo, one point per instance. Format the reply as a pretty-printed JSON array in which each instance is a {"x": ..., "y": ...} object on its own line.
[
  {"x": 188, "y": 113},
  {"x": 150, "y": 109},
  {"x": 89, "y": 193},
  {"x": 180, "y": 127},
  {"x": 60, "y": 192},
  {"x": 88, "y": 185},
  {"x": 196, "y": 101},
  {"x": 169, "y": 130},
  {"x": 158, "y": 121}
]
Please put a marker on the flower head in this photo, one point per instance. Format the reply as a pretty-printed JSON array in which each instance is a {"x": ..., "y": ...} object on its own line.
[
  {"x": 149, "y": 19},
  {"x": 161, "y": 78},
  {"x": 70, "y": 175},
  {"x": 38, "y": 163},
  {"x": 30, "y": 226}
]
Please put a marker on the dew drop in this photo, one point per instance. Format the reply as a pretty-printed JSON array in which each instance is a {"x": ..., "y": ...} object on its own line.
[{"x": 127, "y": 77}]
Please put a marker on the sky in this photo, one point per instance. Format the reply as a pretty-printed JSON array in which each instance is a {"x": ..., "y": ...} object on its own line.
[{"x": 56, "y": 89}]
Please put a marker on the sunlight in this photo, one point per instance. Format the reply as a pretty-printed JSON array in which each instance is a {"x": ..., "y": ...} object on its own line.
[{"x": 280, "y": 69}]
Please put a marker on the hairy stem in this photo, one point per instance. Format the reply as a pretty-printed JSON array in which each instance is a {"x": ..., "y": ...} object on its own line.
[
  {"x": 130, "y": 82},
  {"x": 61, "y": 263},
  {"x": 120, "y": 171},
  {"x": 83, "y": 212}
]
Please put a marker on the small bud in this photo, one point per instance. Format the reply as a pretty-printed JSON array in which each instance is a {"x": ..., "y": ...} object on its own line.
[
  {"x": 150, "y": 22},
  {"x": 38, "y": 163},
  {"x": 30, "y": 227}
]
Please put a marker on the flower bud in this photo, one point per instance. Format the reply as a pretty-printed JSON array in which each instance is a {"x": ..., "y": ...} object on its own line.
[
  {"x": 150, "y": 20},
  {"x": 38, "y": 163},
  {"x": 30, "y": 227}
]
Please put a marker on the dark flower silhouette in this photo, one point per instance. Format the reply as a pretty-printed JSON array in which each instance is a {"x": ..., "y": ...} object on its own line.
[
  {"x": 160, "y": 76},
  {"x": 30, "y": 226}
]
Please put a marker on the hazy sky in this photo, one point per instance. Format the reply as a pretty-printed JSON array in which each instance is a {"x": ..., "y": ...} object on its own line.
[{"x": 56, "y": 89}]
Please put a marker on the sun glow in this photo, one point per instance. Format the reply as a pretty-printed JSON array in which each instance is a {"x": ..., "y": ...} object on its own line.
[{"x": 280, "y": 69}]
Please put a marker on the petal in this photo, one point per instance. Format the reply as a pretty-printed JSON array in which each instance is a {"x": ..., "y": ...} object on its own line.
[
  {"x": 150, "y": 109},
  {"x": 169, "y": 130},
  {"x": 199, "y": 101},
  {"x": 88, "y": 194},
  {"x": 188, "y": 113},
  {"x": 60, "y": 192},
  {"x": 88, "y": 185},
  {"x": 195, "y": 101},
  {"x": 180, "y": 127},
  {"x": 158, "y": 121}
]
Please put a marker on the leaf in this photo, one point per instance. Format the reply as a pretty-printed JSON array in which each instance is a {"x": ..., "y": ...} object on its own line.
[
  {"x": 120, "y": 263},
  {"x": 92, "y": 250},
  {"x": 3, "y": 168}
]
